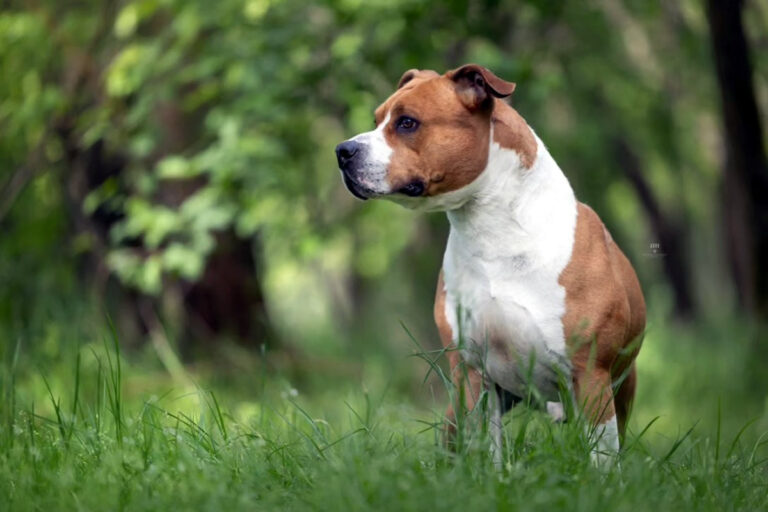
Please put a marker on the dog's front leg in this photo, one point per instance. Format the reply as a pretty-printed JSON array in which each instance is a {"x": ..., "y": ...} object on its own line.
[
  {"x": 467, "y": 381},
  {"x": 495, "y": 426},
  {"x": 467, "y": 385}
]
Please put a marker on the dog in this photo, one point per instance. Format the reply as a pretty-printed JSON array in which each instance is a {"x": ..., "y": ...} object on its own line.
[{"x": 533, "y": 291}]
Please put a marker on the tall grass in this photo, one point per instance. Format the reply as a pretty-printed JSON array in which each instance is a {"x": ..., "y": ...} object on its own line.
[{"x": 90, "y": 442}]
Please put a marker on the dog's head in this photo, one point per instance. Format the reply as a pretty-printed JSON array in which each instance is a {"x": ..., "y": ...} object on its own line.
[{"x": 431, "y": 139}]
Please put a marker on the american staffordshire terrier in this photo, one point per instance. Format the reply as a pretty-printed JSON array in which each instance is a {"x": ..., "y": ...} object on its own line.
[{"x": 533, "y": 289}]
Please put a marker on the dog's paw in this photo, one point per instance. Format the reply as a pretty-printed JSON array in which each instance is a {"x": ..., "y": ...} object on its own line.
[{"x": 556, "y": 411}]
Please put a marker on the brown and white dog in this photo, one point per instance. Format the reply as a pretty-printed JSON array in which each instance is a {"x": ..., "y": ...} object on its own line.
[{"x": 533, "y": 287}]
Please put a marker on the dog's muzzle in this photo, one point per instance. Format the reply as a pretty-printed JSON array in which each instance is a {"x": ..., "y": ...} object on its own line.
[{"x": 349, "y": 154}]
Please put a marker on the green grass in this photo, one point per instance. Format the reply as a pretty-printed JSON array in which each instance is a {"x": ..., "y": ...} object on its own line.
[{"x": 97, "y": 431}]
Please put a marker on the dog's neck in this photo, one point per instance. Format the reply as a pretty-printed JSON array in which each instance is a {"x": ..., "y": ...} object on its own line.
[{"x": 515, "y": 210}]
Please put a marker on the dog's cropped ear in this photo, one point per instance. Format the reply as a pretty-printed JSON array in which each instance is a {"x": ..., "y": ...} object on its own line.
[
  {"x": 407, "y": 77},
  {"x": 413, "y": 73},
  {"x": 476, "y": 86}
]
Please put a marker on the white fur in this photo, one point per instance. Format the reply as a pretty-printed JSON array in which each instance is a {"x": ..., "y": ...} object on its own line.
[
  {"x": 556, "y": 411},
  {"x": 496, "y": 430},
  {"x": 606, "y": 438},
  {"x": 511, "y": 237},
  {"x": 373, "y": 172}
]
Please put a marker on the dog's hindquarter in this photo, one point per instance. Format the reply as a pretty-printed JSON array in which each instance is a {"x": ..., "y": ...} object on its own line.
[{"x": 605, "y": 310}]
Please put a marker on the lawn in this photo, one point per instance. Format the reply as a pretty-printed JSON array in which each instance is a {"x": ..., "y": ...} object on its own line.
[{"x": 93, "y": 429}]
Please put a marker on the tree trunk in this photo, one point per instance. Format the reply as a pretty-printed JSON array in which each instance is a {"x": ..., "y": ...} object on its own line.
[
  {"x": 227, "y": 299},
  {"x": 669, "y": 234},
  {"x": 745, "y": 177}
]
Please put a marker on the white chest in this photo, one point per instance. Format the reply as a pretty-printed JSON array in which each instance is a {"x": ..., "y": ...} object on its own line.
[
  {"x": 504, "y": 256},
  {"x": 505, "y": 321}
]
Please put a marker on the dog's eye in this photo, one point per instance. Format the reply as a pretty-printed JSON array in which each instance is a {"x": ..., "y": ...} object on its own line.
[
  {"x": 406, "y": 124},
  {"x": 413, "y": 189}
]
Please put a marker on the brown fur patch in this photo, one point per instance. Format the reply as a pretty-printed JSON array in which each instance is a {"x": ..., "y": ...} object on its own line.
[
  {"x": 443, "y": 327},
  {"x": 511, "y": 131},
  {"x": 605, "y": 312},
  {"x": 623, "y": 399}
]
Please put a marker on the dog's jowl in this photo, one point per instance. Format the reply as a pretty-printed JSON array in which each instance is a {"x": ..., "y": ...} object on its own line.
[{"x": 533, "y": 290}]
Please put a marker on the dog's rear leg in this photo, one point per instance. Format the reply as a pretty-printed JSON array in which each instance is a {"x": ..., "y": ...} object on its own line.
[
  {"x": 624, "y": 396},
  {"x": 595, "y": 398}
]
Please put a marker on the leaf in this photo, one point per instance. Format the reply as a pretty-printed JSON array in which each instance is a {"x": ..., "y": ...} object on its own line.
[
  {"x": 183, "y": 260},
  {"x": 176, "y": 167}
]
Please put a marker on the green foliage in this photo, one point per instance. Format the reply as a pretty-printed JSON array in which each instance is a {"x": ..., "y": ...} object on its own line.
[{"x": 226, "y": 114}]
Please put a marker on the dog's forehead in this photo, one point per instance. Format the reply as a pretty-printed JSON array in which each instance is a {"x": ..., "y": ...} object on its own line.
[{"x": 425, "y": 89}]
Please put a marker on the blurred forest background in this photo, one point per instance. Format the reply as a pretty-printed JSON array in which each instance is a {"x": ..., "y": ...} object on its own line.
[{"x": 169, "y": 164}]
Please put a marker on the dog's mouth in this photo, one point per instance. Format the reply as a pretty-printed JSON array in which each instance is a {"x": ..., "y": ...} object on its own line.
[{"x": 357, "y": 190}]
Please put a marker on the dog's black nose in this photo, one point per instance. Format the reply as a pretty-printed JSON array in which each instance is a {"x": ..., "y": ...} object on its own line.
[{"x": 346, "y": 151}]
